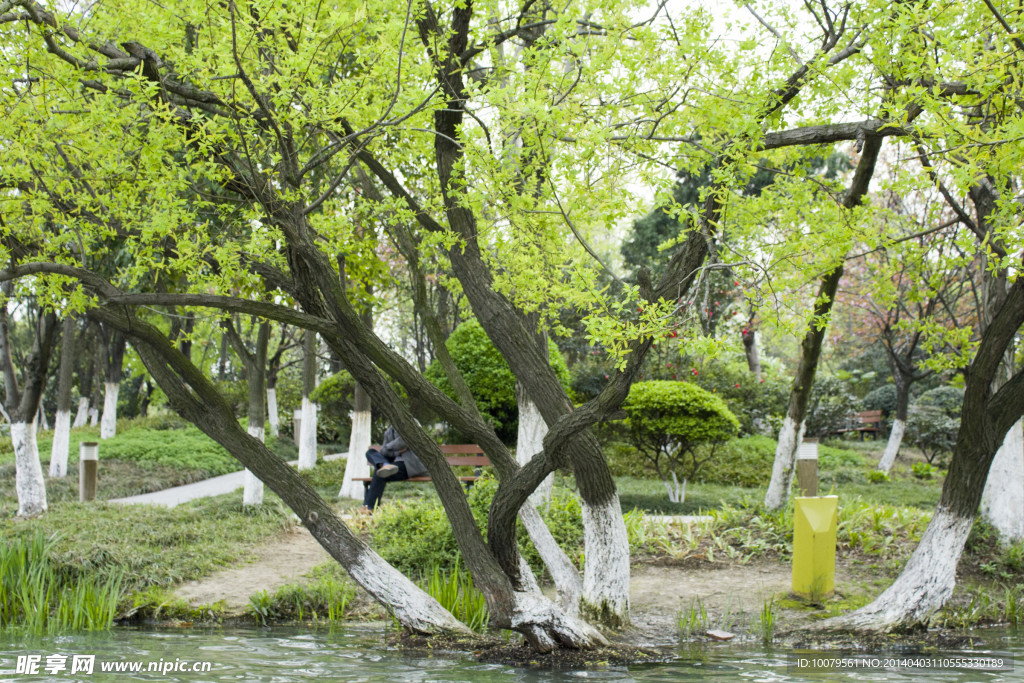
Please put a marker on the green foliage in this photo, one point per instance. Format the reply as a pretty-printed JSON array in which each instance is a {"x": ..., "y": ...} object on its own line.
[
  {"x": 693, "y": 621},
  {"x": 334, "y": 397},
  {"x": 883, "y": 398},
  {"x": 187, "y": 448},
  {"x": 924, "y": 470},
  {"x": 488, "y": 376},
  {"x": 457, "y": 594},
  {"x": 669, "y": 421},
  {"x": 41, "y": 596},
  {"x": 741, "y": 462},
  {"x": 768, "y": 621},
  {"x": 878, "y": 476},
  {"x": 151, "y": 545},
  {"x": 323, "y": 599},
  {"x": 760, "y": 406},
  {"x": 932, "y": 431},
  {"x": 831, "y": 407},
  {"x": 949, "y": 399}
]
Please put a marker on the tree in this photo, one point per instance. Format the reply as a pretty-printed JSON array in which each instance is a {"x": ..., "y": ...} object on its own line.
[
  {"x": 261, "y": 116},
  {"x": 676, "y": 426}
]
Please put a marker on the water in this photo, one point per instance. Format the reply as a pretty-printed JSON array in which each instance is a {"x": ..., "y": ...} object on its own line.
[{"x": 358, "y": 653}]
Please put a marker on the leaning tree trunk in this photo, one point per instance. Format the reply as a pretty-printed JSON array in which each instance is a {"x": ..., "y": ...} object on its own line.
[
  {"x": 899, "y": 423},
  {"x": 792, "y": 431},
  {"x": 1002, "y": 503},
  {"x": 307, "y": 435},
  {"x": 987, "y": 415},
  {"x": 358, "y": 444},
  {"x": 28, "y": 478},
  {"x": 62, "y": 422},
  {"x": 112, "y": 385},
  {"x": 530, "y": 441},
  {"x": 252, "y": 490}
]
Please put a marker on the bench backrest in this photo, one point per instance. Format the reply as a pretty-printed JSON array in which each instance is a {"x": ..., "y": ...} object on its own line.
[{"x": 869, "y": 416}]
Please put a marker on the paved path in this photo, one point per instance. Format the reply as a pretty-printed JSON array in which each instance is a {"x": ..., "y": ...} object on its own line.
[{"x": 226, "y": 483}]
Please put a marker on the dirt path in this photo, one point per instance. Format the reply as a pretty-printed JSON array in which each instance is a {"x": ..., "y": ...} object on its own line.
[
  {"x": 281, "y": 561},
  {"x": 731, "y": 594}
]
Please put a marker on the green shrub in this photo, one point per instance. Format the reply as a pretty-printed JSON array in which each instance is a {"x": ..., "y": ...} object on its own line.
[
  {"x": 878, "y": 477},
  {"x": 946, "y": 398},
  {"x": 187, "y": 448},
  {"x": 488, "y": 376},
  {"x": 883, "y": 398},
  {"x": 759, "y": 405},
  {"x": 334, "y": 397},
  {"x": 674, "y": 426},
  {"x": 924, "y": 470},
  {"x": 932, "y": 430},
  {"x": 743, "y": 462}
]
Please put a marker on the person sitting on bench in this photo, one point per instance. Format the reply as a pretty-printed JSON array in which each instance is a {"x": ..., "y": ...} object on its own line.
[{"x": 393, "y": 462}]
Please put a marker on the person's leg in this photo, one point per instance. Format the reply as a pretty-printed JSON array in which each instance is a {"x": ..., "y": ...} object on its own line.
[
  {"x": 376, "y": 490},
  {"x": 376, "y": 458}
]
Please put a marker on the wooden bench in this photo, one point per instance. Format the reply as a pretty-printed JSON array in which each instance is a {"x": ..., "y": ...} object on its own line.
[
  {"x": 457, "y": 455},
  {"x": 867, "y": 422}
]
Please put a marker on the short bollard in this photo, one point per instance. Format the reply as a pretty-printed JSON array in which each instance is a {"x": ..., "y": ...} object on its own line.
[
  {"x": 88, "y": 464},
  {"x": 297, "y": 425},
  {"x": 807, "y": 468},
  {"x": 814, "y": 546}
]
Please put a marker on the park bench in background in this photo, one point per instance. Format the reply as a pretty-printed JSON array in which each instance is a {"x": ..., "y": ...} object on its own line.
[
  {"x": 867, "y": 422},
  {"x": 457, "y": 455}
]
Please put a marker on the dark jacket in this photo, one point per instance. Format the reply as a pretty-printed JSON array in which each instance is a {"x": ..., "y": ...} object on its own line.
[{"x": 394, "y": 447}]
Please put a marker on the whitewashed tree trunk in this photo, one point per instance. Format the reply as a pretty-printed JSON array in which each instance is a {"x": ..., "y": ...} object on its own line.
[
  {"x": 108, "y": 424},
  {"x": 413, "y": 608},
  {"x": 28, "y": 478},
  {"x": 1002, "y": 503},
  {"x": 252, "y": 492},
  {"x": 676, "y": 490},
  {"x": 563, "y": 573},
  {"x": 307, "y": 435},
  {"x": 892, "y": 447},
  {"x": 94, "y": 417},
  {"x": 275, "y": 421},
  {"x": 606, "y": 572},
  {"x": 529, "y": 442},
  {"x": 61, "y": 444},
  {"x": 782, "y": 469},
  {"x": 926, "y": 582},
  {"x": 82, "y": 416},
  {"x": 534, "y": 608},
  {"x": 358, "y": 444}
]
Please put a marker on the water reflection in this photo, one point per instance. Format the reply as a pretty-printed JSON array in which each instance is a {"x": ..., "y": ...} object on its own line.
[{"x": 356, "y": 654}]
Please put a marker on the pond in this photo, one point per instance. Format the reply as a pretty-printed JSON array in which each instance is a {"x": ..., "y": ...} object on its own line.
[{"x": 358, "y": 653}]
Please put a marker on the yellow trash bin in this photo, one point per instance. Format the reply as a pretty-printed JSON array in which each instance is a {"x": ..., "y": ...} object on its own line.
[{"x": 814, "y": 546}]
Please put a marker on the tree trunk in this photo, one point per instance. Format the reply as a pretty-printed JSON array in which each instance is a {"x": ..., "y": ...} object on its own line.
[
  {"x": 810, "y": 349},
  {"x": 358, "y": 444},
  {"x": 307, "y": 437},
  {"x": 899, "y": 423},
  {"x": 28, "y": 470},
  {"x": 82, "y": 415},
  {"x": 62, "y": 422},
  {"x": 256, "y": 368},
  {"x": 750, "y": 350},
  {"x": 114, "y": 358},
  {"x": 530, "y": 441},
  {"x": 1002, "y": 503},
  {"x": 987, "y": 415},
  {"x": 272, "y": 415}
]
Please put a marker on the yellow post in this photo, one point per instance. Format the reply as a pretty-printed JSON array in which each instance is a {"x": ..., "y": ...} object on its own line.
[{"x": 814, "y": 546}]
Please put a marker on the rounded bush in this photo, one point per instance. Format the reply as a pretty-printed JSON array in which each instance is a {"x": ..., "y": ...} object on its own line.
[
  {"x": 947, "y": 399},
  {"x": 883, "y": 398},
  {"x": 668, "y": 422}
]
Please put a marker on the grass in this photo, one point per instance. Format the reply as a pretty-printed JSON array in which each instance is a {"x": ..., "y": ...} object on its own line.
[
  {"x": 153, "y": 546},
  {"x": 456, "y": 593},
  {"x": 693, "y": 621},
  {"x": 39, "y": 595},
  {"x": 323, "y": 600}
]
